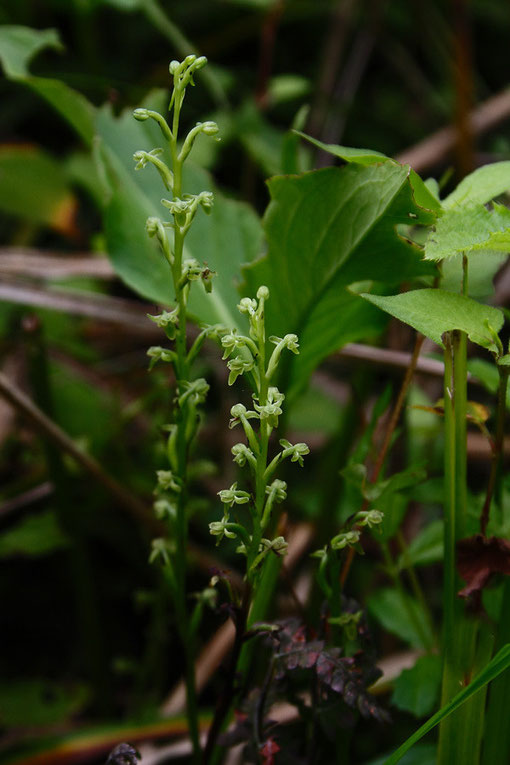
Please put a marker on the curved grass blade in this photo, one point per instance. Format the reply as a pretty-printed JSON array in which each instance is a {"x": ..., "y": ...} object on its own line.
[{"x": 495, "y": 667}]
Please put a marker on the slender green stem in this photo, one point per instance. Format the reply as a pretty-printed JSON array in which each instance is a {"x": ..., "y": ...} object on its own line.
[
  {"x": 411, "y": 612},
  {"x": 415, "y": 584},
  {"x": 161, "y": 21},
  {"x": 497, "y": 451},
  {"x": 449, "y": 682}
]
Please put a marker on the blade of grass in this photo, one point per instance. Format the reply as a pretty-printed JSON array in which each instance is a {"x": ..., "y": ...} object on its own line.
[{"x": 494, "y": 668}]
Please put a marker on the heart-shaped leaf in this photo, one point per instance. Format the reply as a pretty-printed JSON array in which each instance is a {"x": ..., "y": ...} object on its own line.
[
  {"x": 325, "y": 230},
  {"x": 434, "y": 312},
  {"x": 224, "y": 240}
]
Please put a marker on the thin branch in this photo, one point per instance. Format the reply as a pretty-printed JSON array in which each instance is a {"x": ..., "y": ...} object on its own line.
[
  {"x": 43, "y": 423},
  {"x": 42, "y": 264},
  {"x": 130, "y": 313},
  {"x": 390, "y": 429},
  {"x": 35, "y": 494},
  {"x": 435, "y": 149}
]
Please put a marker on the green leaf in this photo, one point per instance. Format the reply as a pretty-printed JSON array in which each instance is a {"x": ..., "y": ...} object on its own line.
[
  {"x": 422, "y": 754},
  {"x": 33, "y": 536},
  {"x": 425, "y": 548},
  {"x": 18, "y": 46},
  {"x": 469, "y": 229},
  {"x": 402, "y": 615},
  {"x": 482, "y": 268},
  {"x": 416, "y": 690},
  {"x": 227, "y": 238},
  {"x": 325, "y": 230},
  {"x": 397, "y": 482},
  {"x": 287, "y": 87},
  {"x": 261, "y": 140},
  {"x": 393, "y": 505},
  {"x": 34, "y": 187},
  {"x": 423, "y": 196},
  {"x": 24, "y": 703},
  {"x": 434, "y": 312},
  {"x": 495, "y": 667},
  {"x": 480, "y": 186},
  {"x": 347, "y": 153}
]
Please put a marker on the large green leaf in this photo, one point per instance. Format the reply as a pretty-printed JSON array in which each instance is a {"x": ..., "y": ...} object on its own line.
[
  {"x": 402, "y": 615},
  {"x": 18, "y": 46},
  {"x": 422, "y": 194},
  {"x": 416, "y": 690},
  {"x": 34, "y": 186},
  {"x": 434, "y": 312},
  {"x": 495, "y": 667},
  {"x": 25, "y": 703},
  {"x": 426, "y": 548},
  {"x": 325, "y": 230},
  {"x": 481, "y": 186},
  {"x": 482, "y": 268},
  {"x": 347, "y": 153},
  {"x": 469, "y": 229},
  {"x": 226, "y": 239},
  {"x": 33, "y": 536}
]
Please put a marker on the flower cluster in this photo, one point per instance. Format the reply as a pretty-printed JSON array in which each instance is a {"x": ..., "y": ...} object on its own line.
[{"x": 246, "y": 354}]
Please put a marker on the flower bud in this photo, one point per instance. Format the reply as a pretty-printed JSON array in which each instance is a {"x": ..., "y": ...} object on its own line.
[
  {"x": 210, "y": 128},
  {"x": 141, "y": 114}
]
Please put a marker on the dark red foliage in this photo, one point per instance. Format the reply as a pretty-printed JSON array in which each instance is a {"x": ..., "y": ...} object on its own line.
[
  {"x": 268, "y": 751},
  {"x": 478, "y": 558},
  {"x": 347, "y": 677}
]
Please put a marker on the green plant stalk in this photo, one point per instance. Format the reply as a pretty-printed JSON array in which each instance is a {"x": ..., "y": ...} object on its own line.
[
  {"x": 411, "y": 613},
  {"x": 415, "y": 584},
  {"x": 260, "y": 481},
  {"x": 181, "y": 525},
  {"x": 460, "y": 735},
  {"x": 161, "y": 21},
  {"x": 449, "y": 593},
  {"x": 496, "y": 746},
  {"x": 467, "y": 643}
]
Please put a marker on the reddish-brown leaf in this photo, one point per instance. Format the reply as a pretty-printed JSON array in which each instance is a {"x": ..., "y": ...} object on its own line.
[
  {"x": 478, "y": 558},
  {"x": 268, "y": 751}
]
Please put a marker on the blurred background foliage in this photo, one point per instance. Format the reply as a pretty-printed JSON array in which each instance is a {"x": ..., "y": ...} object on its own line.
[{"x": 86, "y": 630}]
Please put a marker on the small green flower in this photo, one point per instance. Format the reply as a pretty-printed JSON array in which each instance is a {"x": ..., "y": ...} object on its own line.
[
  {"x": 288, "y": 341},
  {"x": 167, "y": 481},
  {"x": 296, "y": 452},
  {"x": 232, "y": 342},
  {"x": 194, "y": 392},
  {"x": 278, "y": 545},
  {"x": 369, "y": 518},
  {"x": 238, "y": 366},
  {"x": 163, "y": 509},
  {"x": 220, "y": 529},
  {"x": 242, "y": 455},
  {"x": 239, "y": 414},
  {"x": 143, "y": 157},
  {"x": 272, "y": 409},
  {"x": 345, "y": 539},
  {"x": 234, "y": 496},
  {"x": 167, "y": 320},
  {"x": 277, "y": 490},
  {"x": 161, "y": 549},
  {"x": 157, "y": 353},
  {"x": 247, "y": 306}
]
